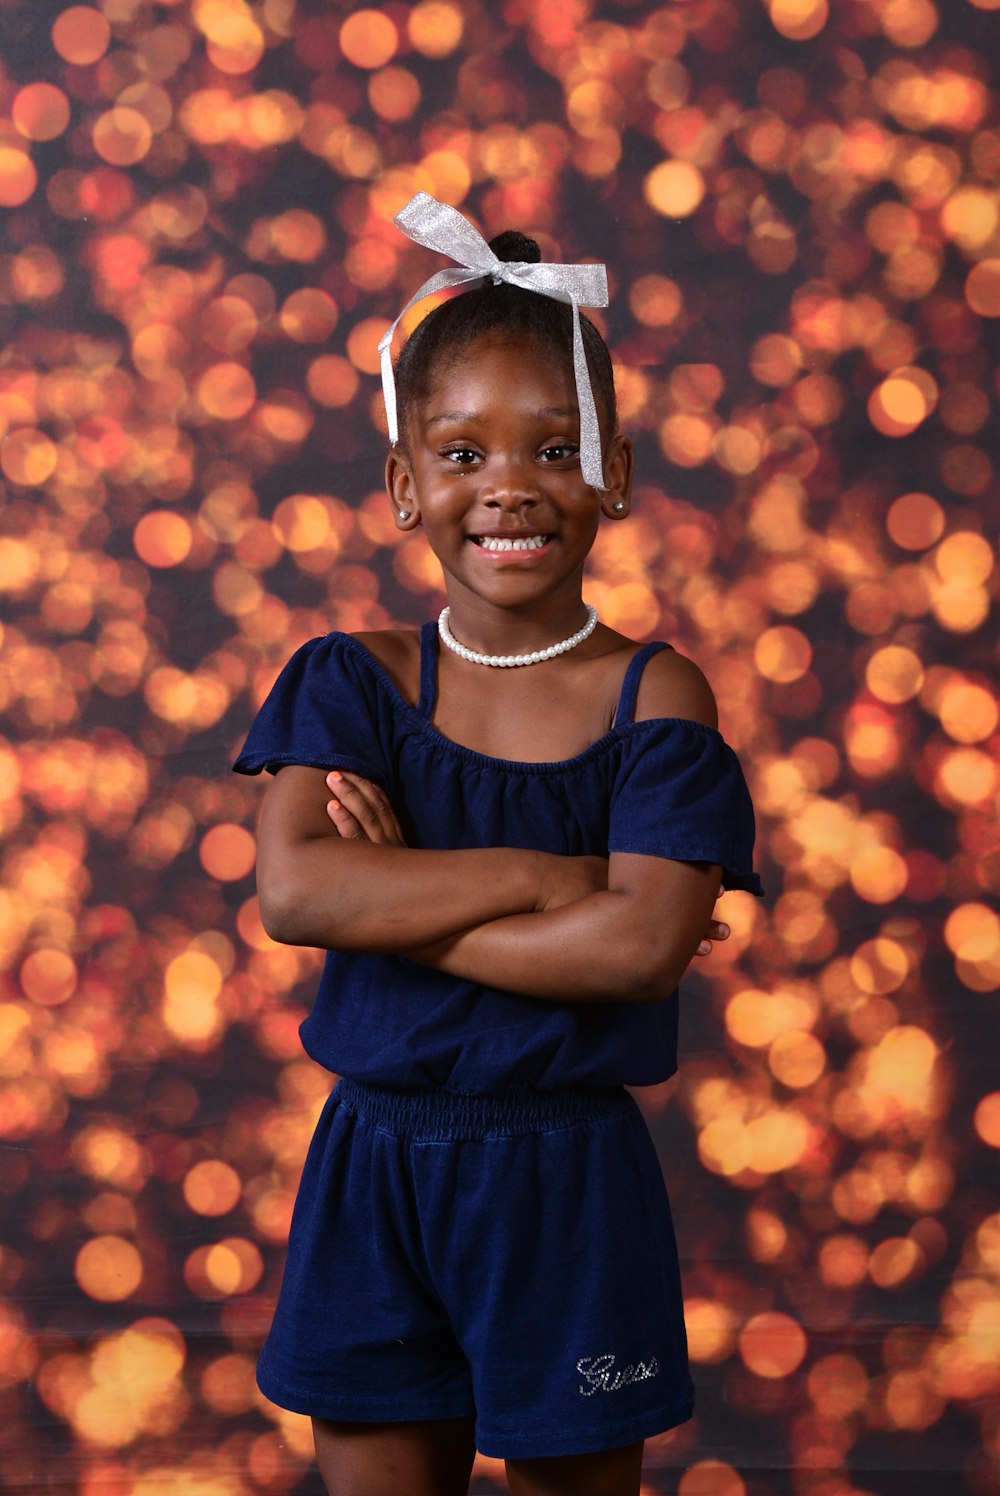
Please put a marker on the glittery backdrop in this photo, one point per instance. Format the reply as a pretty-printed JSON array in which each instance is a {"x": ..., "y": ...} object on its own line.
[{"x": 799, "y": 202}]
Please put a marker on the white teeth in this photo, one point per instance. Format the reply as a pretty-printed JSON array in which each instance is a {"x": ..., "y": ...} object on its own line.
[{"x": 502, "y": 543}]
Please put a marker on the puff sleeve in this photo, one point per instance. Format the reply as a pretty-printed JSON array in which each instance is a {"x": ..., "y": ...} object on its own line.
[
  {"x": 326, "y": 710},
  {"x": 679, "y": 792}
]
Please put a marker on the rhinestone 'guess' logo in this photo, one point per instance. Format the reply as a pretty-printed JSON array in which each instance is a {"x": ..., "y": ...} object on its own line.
[{"x": 599, "y": 1373}]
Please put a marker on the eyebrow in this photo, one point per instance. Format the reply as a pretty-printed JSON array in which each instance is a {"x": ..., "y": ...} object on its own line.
[{"x": 549, "y": 413}]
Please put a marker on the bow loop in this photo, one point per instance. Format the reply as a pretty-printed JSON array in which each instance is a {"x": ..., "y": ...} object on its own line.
[
  {"x": 579, "y": 285},
  {"x": 441, "y": 227}
]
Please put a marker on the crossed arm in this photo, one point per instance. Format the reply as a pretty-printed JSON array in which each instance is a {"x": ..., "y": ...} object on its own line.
[{"x": 333, "y": 871}]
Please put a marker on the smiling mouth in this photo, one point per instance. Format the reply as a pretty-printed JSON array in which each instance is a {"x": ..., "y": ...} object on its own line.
[{"x": 510, "y": 542}]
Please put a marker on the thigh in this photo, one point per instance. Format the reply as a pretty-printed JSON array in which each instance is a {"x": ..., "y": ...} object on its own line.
[
  {"x": 612, "y": 1472},
  {"x": 432, "y": 1458}
]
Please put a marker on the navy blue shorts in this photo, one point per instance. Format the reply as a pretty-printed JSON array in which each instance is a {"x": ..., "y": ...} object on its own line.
[{"x": 507, "y": 1257}]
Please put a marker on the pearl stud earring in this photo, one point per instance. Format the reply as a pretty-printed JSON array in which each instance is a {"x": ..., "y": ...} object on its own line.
[
  {"x": 619, "y": 506},
  {"x": 404, "y": 515}
]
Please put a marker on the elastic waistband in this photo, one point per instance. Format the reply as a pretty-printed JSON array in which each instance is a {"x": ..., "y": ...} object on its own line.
[{"x": 452, "y": 1116}]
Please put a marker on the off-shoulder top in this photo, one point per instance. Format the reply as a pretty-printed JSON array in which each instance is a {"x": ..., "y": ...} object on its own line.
[{"x": 666, "y": 787}]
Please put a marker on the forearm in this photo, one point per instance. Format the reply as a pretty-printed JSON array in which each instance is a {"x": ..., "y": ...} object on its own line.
[
  {"x": 353, "y": 896},
  {"x": 600, "y": 949}
]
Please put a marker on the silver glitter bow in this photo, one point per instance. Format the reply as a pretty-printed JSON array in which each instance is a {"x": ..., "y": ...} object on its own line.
[{"x": 438, "y": 226}]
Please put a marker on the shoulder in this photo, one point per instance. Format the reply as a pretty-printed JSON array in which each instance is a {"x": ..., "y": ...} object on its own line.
[
  {"x": 364, "y": 659},
  {"x": 673, "y": 686},
  {"x": 398, "y": 653}
]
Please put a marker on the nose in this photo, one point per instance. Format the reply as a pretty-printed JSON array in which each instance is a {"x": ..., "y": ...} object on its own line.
[{"x": 511, "y": 483}]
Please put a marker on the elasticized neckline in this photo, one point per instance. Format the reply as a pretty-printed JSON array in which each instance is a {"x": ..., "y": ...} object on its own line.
[{"x": 617, "y": 734}]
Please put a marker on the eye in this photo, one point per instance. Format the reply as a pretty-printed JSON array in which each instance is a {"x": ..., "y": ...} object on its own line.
[
  {"x": 559, "y": 452},
  {"x": 461, "y": 456}
]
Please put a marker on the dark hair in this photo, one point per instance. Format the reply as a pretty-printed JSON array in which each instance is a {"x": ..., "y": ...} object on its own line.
[{"x": 503, "y": 311}]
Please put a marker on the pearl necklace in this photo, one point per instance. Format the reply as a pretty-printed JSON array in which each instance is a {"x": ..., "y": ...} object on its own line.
[{"x": 506, "y": 661}]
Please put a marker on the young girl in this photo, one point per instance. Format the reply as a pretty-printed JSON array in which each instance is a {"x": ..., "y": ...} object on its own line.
[{"x": 509, "y": 831}]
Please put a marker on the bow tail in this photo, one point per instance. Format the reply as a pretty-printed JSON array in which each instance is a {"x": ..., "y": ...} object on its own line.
[
  {"x": 389, "y": 385},
  {"x": 591, "y": 458},
  {"x": 439, "y": 282}
]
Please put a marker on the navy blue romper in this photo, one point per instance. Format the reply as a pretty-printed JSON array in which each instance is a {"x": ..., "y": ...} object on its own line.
[{"x": 482, "y": 1228}]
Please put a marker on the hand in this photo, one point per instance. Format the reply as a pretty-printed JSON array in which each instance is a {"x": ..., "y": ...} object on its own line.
[
  {"x": 361, "y": 812},
  {"x": 717, "y": 930},
  {"x": 564, "y": 880}
]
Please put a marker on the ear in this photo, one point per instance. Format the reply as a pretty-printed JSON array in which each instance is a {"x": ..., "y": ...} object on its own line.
[
  {"x": 618, "y": 467},
  {"x": 402, "y": 491}
]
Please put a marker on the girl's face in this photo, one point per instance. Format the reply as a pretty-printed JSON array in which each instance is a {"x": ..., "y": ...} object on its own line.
[{"x": 493, "y": 474}]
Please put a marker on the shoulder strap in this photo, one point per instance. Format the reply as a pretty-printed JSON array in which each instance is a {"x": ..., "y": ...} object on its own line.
[
  {"x": 625, "y": 710},
  {"x": 428, "y": 668}
]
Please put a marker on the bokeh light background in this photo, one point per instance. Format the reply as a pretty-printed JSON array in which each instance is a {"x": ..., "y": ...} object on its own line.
[{"x": 799, "y": 202}]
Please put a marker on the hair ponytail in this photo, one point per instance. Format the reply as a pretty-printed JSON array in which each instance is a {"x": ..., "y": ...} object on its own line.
[{"x": 516, "y": 249}]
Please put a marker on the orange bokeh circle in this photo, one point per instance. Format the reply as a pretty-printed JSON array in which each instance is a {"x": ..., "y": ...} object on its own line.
[
  {"x": 18, "y": 177},
  {"x": 772, "y": 1344},
  {"x": 40, "y": 111},
  {"x": 81, "y": 35},
  {"x": 369, "y": 39}
]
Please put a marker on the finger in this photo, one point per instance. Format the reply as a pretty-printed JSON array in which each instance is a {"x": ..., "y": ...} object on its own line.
[
  {"x": 704, "y": 949},
  {"x": 367, "y": 803},
  {"x": 349, "y": 827},
  {"x": 391, "y": 831},
  {"x": 365, "y": 797},
  {"x": 718, "y": 929}
]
